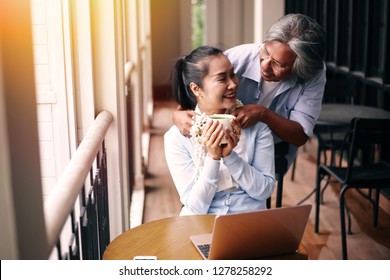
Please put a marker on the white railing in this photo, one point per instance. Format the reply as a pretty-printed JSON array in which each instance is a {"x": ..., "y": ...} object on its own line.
[
  {"x": 62, "y": 200},
  {"x": 129, "y": 66}
]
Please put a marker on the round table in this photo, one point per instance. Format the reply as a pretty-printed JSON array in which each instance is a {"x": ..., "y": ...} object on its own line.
[{"x": 168, "y": 239}]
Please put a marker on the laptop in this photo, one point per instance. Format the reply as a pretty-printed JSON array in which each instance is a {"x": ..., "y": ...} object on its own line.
[{"x": 254, "y": 235}]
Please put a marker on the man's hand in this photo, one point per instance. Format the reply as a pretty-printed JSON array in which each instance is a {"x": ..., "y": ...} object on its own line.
[
  {"x": 183, "y": 120},
  {"x": 249, "y": 114}
]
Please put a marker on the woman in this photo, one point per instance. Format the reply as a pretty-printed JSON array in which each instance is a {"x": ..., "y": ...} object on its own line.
[{"x": 211, "y": 177}]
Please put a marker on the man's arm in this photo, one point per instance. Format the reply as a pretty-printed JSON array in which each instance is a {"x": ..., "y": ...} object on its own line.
[
  {"x": 182, "y": 119},
  {"x": 287, "y": 130}
]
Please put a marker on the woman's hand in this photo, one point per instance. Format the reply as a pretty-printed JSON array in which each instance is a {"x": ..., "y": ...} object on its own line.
[
  {"x": 212, "y": 134},
  {"x": 233, "y": 137}
]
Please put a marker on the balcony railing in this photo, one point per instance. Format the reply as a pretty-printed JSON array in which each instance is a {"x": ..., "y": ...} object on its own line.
[{"x": 77, "y": 208}]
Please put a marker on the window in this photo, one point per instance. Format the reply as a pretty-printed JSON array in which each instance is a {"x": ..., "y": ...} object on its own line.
[
  {"x": 197, "y": 14},
  {"x": 357, "y": 43}
]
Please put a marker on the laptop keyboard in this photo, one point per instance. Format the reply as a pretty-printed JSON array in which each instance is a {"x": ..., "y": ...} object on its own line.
[{"x": 205, "y": 249}]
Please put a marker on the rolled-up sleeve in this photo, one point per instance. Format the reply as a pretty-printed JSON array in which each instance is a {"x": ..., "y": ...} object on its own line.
[{"x": 307, "y": 108}]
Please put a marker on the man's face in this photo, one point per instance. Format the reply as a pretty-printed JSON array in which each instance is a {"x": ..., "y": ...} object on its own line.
[{"x": 276, "y": 61}]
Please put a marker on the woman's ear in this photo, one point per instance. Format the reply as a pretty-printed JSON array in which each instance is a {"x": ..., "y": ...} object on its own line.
[{"x": 195, "y": 89}]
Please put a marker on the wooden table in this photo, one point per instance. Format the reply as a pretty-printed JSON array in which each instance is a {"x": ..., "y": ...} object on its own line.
[{"x": 168, "y": 239}]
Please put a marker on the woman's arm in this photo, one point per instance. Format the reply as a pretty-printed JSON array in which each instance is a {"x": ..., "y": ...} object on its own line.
[
  {"x": 257, "y": 176},
  {"x": 195, "y": 193}
]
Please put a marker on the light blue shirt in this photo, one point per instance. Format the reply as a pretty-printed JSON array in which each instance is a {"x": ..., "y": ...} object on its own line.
[
  {"x": 252, "y": 170},
  {"x": 294, "y": 100}
]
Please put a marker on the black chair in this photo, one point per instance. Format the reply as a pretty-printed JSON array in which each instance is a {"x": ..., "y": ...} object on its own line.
[
  {"x": 330, "y": 138},
  {"x": 281, "y": 165},
  {"x": 368, "y": 167}
]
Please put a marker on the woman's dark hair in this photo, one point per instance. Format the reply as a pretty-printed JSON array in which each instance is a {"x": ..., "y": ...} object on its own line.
[{"x": 190, "y": 68}]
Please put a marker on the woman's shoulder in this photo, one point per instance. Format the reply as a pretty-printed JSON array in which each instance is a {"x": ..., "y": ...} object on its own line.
[
  {"x": 259, "y": 129},
  {"x": 259, "y": 126},
  {"x": 173, "y": 133},
  {"x": 174, "y": 138}
]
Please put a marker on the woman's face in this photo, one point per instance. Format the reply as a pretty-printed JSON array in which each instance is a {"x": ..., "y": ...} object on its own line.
[
  {"x": 219, "y": 89},
  {"x": 276, "y": 61}
]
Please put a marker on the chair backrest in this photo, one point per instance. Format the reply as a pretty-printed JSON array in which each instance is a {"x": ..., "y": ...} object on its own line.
[
  {"x": 368, "y": 141},
  {"x": 281, "y": 166},
  {"x": 340, "y": 89},
  {"x": 281, "y": 151}
]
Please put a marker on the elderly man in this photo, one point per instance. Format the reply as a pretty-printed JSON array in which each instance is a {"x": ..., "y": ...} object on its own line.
[{"x": 281, "y": 81}]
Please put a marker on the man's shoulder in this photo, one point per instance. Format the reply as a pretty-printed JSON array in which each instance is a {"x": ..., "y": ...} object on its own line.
[
  {"x": 244, "y": 47},
  {"x": 243, "y": 51}
]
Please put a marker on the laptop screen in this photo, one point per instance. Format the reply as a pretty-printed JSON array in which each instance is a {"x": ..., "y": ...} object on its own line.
[{"x": 256, "y": 234}]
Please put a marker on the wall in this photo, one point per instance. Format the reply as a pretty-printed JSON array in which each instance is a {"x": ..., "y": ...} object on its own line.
[
  {"x": 266, "y": 13},
  {"x": 22, "y": 214},
  {"x": 166, "y": 45},
  {"x": 50, "y": 91},
  {"x": 228, "y": 23}
]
